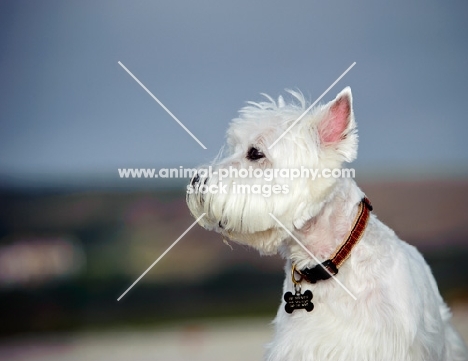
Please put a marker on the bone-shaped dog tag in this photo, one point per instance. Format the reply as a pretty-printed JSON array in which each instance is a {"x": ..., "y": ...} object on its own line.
[{"x": 298, "y": 301}]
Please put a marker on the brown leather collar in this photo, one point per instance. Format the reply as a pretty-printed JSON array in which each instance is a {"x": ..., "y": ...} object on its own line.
[{"x": 342, "y": 253}]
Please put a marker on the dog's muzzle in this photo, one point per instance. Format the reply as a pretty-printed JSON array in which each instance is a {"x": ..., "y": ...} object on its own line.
[
  {"x": 196, "y": 182},
  {"x": 195, "y": 179}
]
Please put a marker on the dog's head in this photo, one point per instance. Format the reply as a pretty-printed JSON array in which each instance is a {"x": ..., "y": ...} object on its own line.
[{"x": 257, "y": 174}]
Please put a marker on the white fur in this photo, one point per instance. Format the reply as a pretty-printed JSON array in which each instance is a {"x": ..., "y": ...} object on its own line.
[{"x": 399, "y": 314}]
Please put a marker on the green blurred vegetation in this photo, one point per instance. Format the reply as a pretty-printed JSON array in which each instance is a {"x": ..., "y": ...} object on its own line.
[{"x": 111, "y": 237}]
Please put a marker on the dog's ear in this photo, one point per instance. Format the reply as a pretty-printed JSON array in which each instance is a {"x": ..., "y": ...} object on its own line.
[{"x": 337, "y": 128}]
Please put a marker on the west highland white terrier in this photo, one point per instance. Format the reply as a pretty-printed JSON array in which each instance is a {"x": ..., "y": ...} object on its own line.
[{"x": 280, "y": 189}]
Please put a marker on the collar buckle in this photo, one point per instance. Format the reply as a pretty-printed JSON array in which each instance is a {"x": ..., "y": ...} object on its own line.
[{"x": 329, "y": 268}]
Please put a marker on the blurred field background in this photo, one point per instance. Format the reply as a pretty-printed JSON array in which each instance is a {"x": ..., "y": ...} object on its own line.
[{"x": 66, "y": 255}]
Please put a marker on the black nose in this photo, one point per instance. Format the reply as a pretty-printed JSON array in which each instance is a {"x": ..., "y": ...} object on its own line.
[{"x": 195, "y": 179}]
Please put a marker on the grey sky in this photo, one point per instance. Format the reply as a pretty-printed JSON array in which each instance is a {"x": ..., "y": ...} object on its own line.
[{"x": 67, "y": 107}]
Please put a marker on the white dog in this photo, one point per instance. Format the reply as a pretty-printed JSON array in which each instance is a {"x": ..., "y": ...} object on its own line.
[{"x": 374, "y": 298}]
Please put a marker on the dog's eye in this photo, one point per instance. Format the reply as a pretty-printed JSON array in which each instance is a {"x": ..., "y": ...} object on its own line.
[{"x": 254, "y": 154}]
